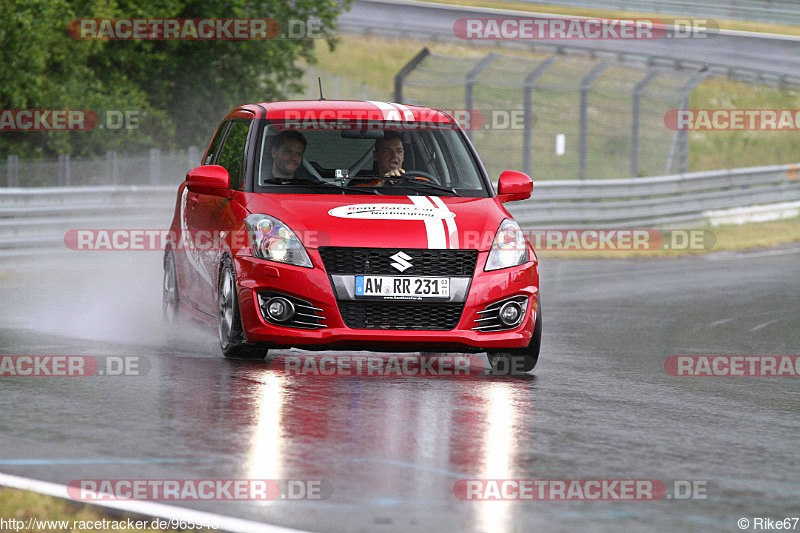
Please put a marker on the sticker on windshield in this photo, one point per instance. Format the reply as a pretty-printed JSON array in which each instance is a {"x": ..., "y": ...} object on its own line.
[{"x": 391, "y": 212}]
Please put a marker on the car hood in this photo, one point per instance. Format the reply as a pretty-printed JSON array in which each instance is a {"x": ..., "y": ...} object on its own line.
[{"x": 385, "y": 221}]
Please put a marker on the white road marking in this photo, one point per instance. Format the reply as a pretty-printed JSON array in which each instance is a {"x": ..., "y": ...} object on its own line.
[{"x": 147, "y": 508}]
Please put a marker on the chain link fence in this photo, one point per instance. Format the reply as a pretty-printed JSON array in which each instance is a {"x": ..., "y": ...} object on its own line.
[
  {"x": 558, "y": 117},
  {"x": 151, "y": 167}
]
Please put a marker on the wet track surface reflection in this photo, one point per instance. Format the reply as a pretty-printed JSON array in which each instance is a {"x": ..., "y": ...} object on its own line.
[{"x": 599, "y": 405}]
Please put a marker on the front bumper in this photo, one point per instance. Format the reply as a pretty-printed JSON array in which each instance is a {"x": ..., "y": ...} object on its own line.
[{"x": 314, "y": 286}]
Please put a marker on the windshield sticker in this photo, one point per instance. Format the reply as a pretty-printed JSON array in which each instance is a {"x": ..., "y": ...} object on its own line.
[{"x": 391, "y": 212}]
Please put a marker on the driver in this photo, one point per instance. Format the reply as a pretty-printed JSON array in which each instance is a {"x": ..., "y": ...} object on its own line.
[{"x": 388, "y": 155}]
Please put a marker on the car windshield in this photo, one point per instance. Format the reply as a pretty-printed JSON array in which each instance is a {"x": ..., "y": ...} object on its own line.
[{"x": 380, "y": 158}]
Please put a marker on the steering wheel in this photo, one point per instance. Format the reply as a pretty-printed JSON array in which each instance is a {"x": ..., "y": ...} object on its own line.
[{"x": 421, "y": 174}]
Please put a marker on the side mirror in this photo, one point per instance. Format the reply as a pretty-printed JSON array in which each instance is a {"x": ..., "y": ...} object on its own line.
[
  {"x": 204, "y": 179},
  {"x": 514, "y": 186}
]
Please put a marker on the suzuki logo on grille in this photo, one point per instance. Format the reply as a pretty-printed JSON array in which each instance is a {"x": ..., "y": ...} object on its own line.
[{"x": 402, "y": 261}]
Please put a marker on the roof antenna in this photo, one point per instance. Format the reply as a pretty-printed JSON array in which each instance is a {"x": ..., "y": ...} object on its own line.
[{"x": 319, "y": 79}]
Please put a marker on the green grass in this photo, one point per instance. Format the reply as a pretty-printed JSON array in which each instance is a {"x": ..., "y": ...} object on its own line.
[
  {"x": 24, "y": 505},
  {"x": 731, "y": 149}
]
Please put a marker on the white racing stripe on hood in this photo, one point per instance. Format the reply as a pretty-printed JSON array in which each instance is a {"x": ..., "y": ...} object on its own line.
[
  {"x": 437, "y": 239},
  {"x": 408, "y": 115},
  {"x": 450, "y": 223},
  {"x": 389, "y": 111}
]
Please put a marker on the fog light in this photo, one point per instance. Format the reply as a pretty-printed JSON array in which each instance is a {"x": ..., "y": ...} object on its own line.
[
  {"x": 510, "y": 313},
  {"x": 280, "y": 309}
]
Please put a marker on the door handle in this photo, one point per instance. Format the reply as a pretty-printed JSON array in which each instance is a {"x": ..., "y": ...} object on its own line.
[{"x": 194, "y": 199}]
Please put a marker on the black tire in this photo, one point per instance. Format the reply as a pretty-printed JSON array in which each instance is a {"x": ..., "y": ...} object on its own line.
[
  {"x": 232, "y": 340},
  {"x": 520, "y": 361},
  {"x": 170, "y": 298}
]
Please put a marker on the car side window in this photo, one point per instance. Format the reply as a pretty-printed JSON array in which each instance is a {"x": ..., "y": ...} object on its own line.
[
  {"x": 213, "y": 148},
  {"x": 232, "y": 155}
]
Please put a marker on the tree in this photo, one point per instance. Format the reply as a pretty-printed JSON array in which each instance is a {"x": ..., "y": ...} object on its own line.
[{"x": 179, "y": 89}]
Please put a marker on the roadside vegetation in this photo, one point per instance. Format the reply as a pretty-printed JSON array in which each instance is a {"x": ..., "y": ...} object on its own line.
[{"x": 178, "y": 89}]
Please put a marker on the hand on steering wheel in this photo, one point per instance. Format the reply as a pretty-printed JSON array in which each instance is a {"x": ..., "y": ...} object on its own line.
[{"x": 419, "y": 174}]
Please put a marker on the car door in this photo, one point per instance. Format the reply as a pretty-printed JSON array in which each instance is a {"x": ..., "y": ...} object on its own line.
[
  {"x": 191, "y": 283},
  {"x": 213, "y": 214}
]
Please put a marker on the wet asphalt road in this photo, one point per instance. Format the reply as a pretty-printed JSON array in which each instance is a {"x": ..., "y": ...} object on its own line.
[{"x": 599, "y": 405}]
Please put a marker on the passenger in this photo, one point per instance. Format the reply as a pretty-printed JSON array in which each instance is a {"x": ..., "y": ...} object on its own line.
[{"x": 288, "y": 148}]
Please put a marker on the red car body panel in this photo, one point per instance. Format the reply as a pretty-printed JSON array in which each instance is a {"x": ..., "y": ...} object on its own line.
[{"x": 321, "y": 220}]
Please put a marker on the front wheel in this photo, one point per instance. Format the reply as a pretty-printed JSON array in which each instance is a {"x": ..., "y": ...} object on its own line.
[
  {"x": 232, "y": 340},
  {"x": 522, "y": 360}
]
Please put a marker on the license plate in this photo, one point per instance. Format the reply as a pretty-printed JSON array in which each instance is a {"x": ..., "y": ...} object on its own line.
[{"x": 403, "y": 286}]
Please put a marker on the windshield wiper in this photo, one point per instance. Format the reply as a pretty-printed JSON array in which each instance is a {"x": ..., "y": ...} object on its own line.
[
  {"x": 419, "y": 182},
  {"x": 316, "y": 183}
]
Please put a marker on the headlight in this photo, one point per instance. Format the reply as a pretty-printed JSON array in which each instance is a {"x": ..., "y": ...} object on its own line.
[
  {"x": 509, "y": 247},
  {"x": 271, "y": 239}
]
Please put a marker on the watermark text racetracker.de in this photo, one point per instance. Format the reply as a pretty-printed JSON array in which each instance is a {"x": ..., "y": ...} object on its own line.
[
  {"x": 584, "y": 489},
  {"x": 732, "y": 119},
  {"x": 733, "y": 365},
  {"x": 582, "y": 29},
  {"x": 199, "y": 489},
  {"x": 378, "y": 365},
  {"x": 69, "y": 119},
  {"x": 202, "y": 29},
  {"x": 73, "y": 365},
  {"x": 582, "y": 239}
]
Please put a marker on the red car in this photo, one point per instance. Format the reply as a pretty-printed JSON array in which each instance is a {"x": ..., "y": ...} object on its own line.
[{"x": 352, "y": 225}]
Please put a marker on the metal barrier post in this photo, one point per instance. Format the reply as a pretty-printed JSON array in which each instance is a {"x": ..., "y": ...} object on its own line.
[
  {"x": 400, "y": 77},
  {"x": 63, "y": 170},
  {"x": 527, "y": 107},
  {"x": 469, "y": 83},
  {"x": 586, "y": 84},
  {"x": 680, "y": 140},
  {"x": 12, "y": 168},
  {"x": 637, "y": 98},
  {"x": 155, "y": 166},
  {"x": 194, "y": 156}
]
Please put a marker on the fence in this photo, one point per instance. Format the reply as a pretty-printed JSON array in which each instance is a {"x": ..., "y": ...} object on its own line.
[
  {"x": 609, "y": 115},
  {"x": 152, "y": 167},
  {"x": 565, "y": 116},
  {"x": 33, "y": 222}
]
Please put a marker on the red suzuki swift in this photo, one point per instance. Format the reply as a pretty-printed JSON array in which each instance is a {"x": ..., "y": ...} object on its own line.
[{"x": 352, "y": 225}]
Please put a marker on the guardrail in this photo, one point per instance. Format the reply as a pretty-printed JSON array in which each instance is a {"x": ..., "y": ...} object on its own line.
[
  {"x": 681, "y": 199},
  {"x": 33, "y": 221}
]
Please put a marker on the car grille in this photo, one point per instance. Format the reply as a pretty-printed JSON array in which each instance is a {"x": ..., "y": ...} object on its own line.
[
  {"x": 401, "y": 315},
  {"x": 378, "y": 261}
]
